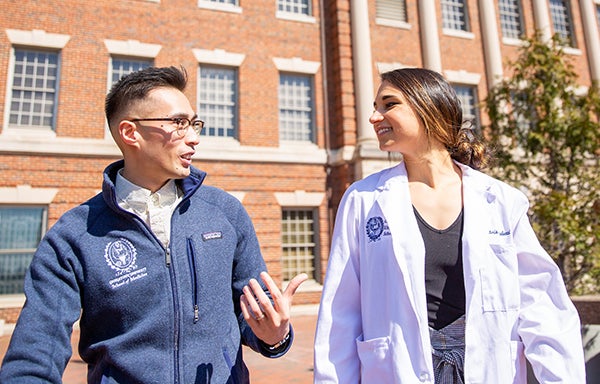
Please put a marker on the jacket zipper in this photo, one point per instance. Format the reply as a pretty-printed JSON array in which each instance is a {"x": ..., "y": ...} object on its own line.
[
  {"x": 192, "y": 264},
  {"x": 176, "y": 329}
]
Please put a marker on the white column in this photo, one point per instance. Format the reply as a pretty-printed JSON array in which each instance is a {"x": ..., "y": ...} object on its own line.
[
  {"x": 592, "y": 37},
  {"x": 363, "y": 69},
  {"x": 491, "y": 42},
  {"x": 541, "y": 17},
  {"x": 430, "y": 41}
]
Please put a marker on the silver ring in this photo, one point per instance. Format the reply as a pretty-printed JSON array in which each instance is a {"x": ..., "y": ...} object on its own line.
[{"x": 262, "y": 316}]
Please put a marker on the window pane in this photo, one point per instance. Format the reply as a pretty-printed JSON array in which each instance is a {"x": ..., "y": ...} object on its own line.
[
  {"x": 21, "y": 230},
  {"x": 295, "y": 108},
  {"x": 217, "y": 101},
  {"x": 301, "y": 7},
  {"x": 454, "y": 15},
  {"x": 468, "y": 100},
  {"x": 561, "y": 20},
  {"x": 511, "y": 19},
  {"x": 34, "y": 88},
  {"x": 298, "y": 243},
  {"x": 233, "y": 2},
  {"x": 123, "y": 66},
  {"x": 391, "y": 9}
]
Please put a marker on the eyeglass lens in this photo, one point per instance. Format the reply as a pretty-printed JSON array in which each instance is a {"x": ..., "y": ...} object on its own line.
[{"x": 184, "y": 123}]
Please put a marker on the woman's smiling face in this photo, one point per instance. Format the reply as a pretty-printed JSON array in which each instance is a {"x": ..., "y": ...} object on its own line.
[{"x": 395, "y": 122}]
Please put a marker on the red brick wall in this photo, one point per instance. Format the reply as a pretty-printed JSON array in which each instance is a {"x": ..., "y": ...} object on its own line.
[{"x": 178, "y": 26}]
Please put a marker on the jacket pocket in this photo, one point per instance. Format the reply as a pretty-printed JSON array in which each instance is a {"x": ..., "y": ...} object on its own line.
[{"x": 376, "y": 359}]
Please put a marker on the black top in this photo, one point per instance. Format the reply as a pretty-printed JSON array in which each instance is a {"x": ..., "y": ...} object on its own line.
[{"x": 444, "y": 279}]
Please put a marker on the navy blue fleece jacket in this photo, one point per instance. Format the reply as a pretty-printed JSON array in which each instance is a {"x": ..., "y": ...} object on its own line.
[{"x": 148, "y": 314}]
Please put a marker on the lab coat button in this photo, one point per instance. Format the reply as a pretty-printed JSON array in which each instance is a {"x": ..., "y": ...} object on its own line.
[{"x": 424, "y": 377}]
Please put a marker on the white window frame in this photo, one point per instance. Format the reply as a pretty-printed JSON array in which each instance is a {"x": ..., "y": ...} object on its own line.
[
  {"x": 125, "y": 49},
  {"x": 471, "y": 80},
  {"x": 220, "y": 6},
  {"x": 219, "y": 57},
  {"x": 133, "y": 49},
  {"x": 24, "y": 195},
  {"x": 306, "y": 110},
  {"x": 230, "y": 102},
  {"x": 463, "y": 9},
  {"x": 32, "y": 40},
  {"x": 131, "y": 60},
  {"x": 306, "y": 201},
  {"x": 514, "y": 18},
  {"x": 386, "y": 13},
  {"x": 301, "y": 67},
  {"x": 294, "y": 16},
  {"x": 566, "y": 19}
]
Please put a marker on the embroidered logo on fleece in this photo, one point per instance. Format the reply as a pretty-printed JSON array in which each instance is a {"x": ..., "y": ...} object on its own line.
[
  {"x": 212, "y": 235},
  {"x": 376, "y": 227},
  {"x": 121, "y": 256}
]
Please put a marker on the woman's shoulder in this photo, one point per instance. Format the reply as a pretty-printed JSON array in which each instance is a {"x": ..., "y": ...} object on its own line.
[
  {"x": 494, "y": 186},
  {"x": 379, "y": 179}
]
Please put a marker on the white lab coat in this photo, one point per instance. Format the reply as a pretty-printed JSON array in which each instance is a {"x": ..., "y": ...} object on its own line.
[{"x": 372, "y": 325}]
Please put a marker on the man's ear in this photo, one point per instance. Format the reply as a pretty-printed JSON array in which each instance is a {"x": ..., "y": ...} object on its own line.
[{"x": 128, "y": 132}]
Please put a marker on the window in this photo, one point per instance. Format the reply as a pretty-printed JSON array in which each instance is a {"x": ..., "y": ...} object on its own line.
[
  {"x": 232, "y": 2},
  {"x": 467, "y": 95},
  {"x": 34, "y": 89},
  {"x": 21, "y": 229},
  {"x": 391, "y": 10},
  {"x": 454, "y": 15},
  {"x": 300, "y": 7},
  {"x": 298, "y": 239},
  {"x": 511, "y": 19},
  {"x": 296, "y": 108},
  {"x": 232, "y": 6},
  {"x": 523, "y": 111},
  {"x": 561, "y": 20},
  {"x": 217, "y": 100},
  {"x": 124, "y": 66}
]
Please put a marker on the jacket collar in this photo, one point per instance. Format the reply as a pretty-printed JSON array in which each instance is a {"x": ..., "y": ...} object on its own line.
[{"x": 188, "y": 185}]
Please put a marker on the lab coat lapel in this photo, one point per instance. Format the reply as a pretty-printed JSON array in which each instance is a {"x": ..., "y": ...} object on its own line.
[
  {"x": 477, "y": 198},
  {"x": 408, "y": 247}
]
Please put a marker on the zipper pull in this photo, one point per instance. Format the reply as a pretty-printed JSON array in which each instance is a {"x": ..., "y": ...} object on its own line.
[
  {"x": 196, "y": 313},
  {"x": 168, "y": 257}
]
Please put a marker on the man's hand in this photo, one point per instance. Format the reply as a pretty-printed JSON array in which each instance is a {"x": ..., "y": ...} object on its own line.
[{"x": 270, "y": 322}]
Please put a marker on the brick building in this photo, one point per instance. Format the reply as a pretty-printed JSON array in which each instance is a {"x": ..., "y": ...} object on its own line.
[{"x": 285, "y": 87}]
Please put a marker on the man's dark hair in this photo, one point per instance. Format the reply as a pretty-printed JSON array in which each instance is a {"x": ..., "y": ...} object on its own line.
[{"x": 136, "y": 86}]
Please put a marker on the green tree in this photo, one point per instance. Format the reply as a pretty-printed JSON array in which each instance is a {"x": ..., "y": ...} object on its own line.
[{"x": 545, "y": 133}]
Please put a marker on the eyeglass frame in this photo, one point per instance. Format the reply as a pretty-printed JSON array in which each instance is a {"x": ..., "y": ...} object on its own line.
[{"x": 181, "y": 131}]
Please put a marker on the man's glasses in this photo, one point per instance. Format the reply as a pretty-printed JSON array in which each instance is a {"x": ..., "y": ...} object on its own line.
[{"x": 182, "y": 124}]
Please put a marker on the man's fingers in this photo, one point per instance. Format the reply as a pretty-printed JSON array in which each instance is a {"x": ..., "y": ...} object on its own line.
[
  {"x": 294, "y": 284},
  {"x": 255, "y": 299}
]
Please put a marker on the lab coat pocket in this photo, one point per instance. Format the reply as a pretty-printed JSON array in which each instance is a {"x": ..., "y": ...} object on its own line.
[
  {"x": 376, "y": 359},
  {"x": 500, "y": 279}
]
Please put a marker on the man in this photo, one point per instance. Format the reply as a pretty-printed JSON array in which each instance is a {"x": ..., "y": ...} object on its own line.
[{"x": 163, "y": 269}]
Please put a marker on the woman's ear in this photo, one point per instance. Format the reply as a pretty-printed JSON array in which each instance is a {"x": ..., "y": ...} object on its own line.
[{"x": 128, "y": 132}]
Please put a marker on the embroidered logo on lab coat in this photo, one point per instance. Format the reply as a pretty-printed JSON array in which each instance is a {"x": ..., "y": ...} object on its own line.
[
  {"x": 376, "y": 227},
  {"x": 121, "y": 256}
]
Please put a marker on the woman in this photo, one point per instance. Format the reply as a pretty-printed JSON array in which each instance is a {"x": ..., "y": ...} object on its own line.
[{"x": 435, "y": 274}]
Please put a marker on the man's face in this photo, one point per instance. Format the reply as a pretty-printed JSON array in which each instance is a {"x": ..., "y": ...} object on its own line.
[{"x": 161, "y": 153}]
